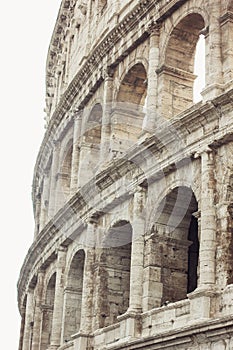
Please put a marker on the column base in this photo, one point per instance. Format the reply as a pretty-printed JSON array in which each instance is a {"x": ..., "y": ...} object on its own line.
[
  {"x": 226, "y": 305},
  {"x": 212, "y": 91},
  {"x": 81, "y": 341},
  {"x": 130, "y": 324},
  {"x": 201, "y": 302}
]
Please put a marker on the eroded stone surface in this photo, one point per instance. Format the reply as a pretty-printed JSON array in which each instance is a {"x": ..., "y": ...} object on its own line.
[{"x": 133, "y": 184}]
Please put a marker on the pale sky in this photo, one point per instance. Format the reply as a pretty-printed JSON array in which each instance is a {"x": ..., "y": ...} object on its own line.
[{"x": 26, "y": 29}]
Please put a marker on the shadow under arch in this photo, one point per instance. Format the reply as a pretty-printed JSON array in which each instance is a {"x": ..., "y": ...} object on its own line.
[
  {"x": 115, "y": 263},
  {"x": 174, "y": 238},
  {"x": 73, "y": 296},
  {"x": 127, "y": 113},
  {"x": 176, "y": 75},
  {"x": 47, "y": 313}
]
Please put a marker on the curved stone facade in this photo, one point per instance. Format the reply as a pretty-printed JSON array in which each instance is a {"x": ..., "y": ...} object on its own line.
[{"x": 133, "y": 184}]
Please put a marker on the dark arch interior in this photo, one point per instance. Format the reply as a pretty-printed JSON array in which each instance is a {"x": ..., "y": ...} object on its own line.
[
  {"x": 47, "y": 313},
  {"x": 94, "y": 124},
  {"x": 182, "y": 43},
  {"x": 179, "y": 244},
  {"x": 115, "y": 267},
  {"x": 73, "y": 296},
  {"x": 177, "y": 74},
  {"x": 133, "y": 86},
  {"x": 66, "y": 171}
]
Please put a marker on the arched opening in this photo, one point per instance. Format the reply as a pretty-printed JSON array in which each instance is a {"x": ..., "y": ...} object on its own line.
[
  {"x": 73, "y": 296},
  {"x": 128, "y": 113},
  {"x": 199, "y": 69},
  {"x": 66, "y": 171},
  {"x": 176, "y": 76},
  {"x": 47, "y": 313},
  {"x": 93, "y": 126},
  {"x": 176, "y": 244},
  {"x": 115, "y": 267},
  {"x": 63, "y": 177},
  {"x": 90, "y": 147}
]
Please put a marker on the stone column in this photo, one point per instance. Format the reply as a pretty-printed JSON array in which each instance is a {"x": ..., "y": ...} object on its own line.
[
  {"x": 54, "y": 171},
  {"x": 37, "y": 214},
  {"x": 38, "y": 312},
  {"x": 227, "y": 49},
  {"x": 45, "y": 200},
  {"x": 214, "y": 78},
  {"x": 106, "y": 119},
  {"x": 22, "y": 329},
  {"x": 58, "y": 301},
  {"x": 137, "y": 251},
  {"x": 208, "y": 221},
  {"x": 86, "y": 313},
  {"x": 82, "y": 339},
  {"x": 28, "y": 327},
  {"x": 76, "y": 152},
  {"x": 152, "y": 81},
  {"x": 201, "y": 299}
]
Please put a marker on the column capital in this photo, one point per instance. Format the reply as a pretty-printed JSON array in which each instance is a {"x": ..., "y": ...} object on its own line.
[
  {"x": 108, "y": 73},
  {"x": 61, "y": 250},
  {"x": 56, "y": 143},
  {"x": 153, "y": 28}
]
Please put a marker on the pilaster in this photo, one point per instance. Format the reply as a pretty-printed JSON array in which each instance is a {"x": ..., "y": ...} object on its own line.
[
  {"x": 58, "y": 301},
  {"x": 37, "y": 215},
  {"x": 28, "y": 328},
  {"x": 54, "y": 171},
  {"x": 38, "y": 312},
  {"x": 137, "y": 251},
  {"x": 214, "y": 77},
  {"x": 45, "y": 199},
  {"x": 152, "y": 80},
  {"x": 76, "y": 152},
  {"x": 106, "y": 119},
  {"x": 201, "y": 300},
  {"x": 208, "y": 220},
  {"x": 81, "y": 340}
]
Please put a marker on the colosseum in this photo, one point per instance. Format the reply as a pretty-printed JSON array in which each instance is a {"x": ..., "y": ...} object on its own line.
[{"x": 133, "y": 184}]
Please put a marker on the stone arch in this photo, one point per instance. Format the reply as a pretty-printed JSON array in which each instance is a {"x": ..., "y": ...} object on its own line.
[
  {"x": 115, "y": 271},
  {"x": 127, "y": 115},
  {"x": 47, "y": 312},
  {"x": 175, "y": 245},
  {"x": 73, "y": 296},
  {"x": 133, "y": 85},
  {"x": 63, "y": 176},
  {"x": 90, "y": 146},
  {"x": 66, "y": 169},
  {"x": 176, "y": 74},
  {"x": 93, "y": 126}
]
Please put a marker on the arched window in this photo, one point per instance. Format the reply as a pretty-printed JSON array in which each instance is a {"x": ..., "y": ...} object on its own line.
[
  {"x": 47, "y": 313},
  {"x": 175, "y": 241},
  {"x": 66, "y": 171},
  {"x": 128, "y": 113},
  {"x": 93, "y": 127},
  {"x": 115, "y": 269},
  {"x": 90, "y": 146},
  {"x": 176, "y": 75},
  {"x": 73, "y": 296}
]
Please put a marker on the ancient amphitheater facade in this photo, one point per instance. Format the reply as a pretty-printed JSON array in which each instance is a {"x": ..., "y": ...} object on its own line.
[{"x": 133, "y": 184}]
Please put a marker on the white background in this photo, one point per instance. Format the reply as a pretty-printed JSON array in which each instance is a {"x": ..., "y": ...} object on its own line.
[{"x": 26, "y": 28}]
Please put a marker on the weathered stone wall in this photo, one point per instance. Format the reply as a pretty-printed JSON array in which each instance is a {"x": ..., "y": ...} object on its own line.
[{"x": 133, "y": 184}]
